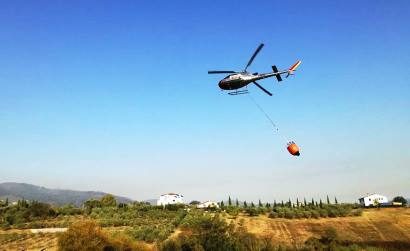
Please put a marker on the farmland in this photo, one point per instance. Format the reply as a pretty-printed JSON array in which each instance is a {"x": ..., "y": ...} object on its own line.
[{"x": 386, "y": 228}]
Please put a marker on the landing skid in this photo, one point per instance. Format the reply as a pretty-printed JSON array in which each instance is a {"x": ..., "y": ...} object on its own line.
[{"x": 238, "y": 92}]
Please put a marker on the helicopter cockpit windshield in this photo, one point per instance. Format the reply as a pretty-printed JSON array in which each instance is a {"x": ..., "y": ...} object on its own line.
[{"x": 232, "y": 77}]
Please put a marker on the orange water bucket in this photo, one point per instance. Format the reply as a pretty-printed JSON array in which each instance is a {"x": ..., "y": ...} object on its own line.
[{"x": 293, "y": 149}]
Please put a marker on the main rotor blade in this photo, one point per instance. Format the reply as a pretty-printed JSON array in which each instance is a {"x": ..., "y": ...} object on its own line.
[
  {"x": 254, "y": 55},
  {"x": 220, "y": 72},
  {"x": 263, "y": 89}
]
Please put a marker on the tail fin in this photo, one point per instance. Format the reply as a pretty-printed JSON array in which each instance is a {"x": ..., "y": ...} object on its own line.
[
  {"x": 293, "y": 68},
  {"x": 275, "y": 70}
]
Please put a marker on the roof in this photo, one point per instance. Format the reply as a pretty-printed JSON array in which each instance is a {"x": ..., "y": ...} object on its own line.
[{"x": 171, "y": 194}]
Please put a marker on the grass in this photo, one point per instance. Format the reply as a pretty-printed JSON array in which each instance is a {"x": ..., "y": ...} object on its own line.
[
  {"x": 24, "y": 240},
  {"x": 386, "y": 225}
]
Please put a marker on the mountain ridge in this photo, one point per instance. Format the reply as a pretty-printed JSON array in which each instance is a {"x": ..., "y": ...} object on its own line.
[{"x": 16, "y": 191}]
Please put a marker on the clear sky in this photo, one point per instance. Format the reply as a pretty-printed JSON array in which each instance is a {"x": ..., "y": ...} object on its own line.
[{"x": 115, "y": 96}]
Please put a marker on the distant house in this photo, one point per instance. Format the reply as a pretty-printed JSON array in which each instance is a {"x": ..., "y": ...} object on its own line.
[
  {"x": 170, "y": 198},
  {"x": 373, "y": 200},
  {"x": 207, "y": 204}
]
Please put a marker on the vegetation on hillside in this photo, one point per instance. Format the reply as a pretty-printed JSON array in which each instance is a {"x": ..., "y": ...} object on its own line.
[
  {"x": 197, "y": 229},
  {"x": 20, "y": 191}
]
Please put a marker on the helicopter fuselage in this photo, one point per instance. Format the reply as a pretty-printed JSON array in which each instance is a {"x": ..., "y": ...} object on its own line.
[{"x": 239, "y": 80}]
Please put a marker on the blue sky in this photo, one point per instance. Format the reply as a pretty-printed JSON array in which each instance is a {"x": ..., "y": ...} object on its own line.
[{"x": 115, "y": 96}]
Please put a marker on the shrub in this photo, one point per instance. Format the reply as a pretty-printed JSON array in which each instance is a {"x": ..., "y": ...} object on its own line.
[
  {"x": 289, "y": 214},
  {"x": 174, "y": 207},
  {"x": 251, "y": 211},
  {"x": 69, "y": 210},
  {"x": 213, "y": 233},
  {"x": 151, "y": 233},
  {"x": 315, "y": 214},
  {"x": 87, "y": 235},
  {"x": 330, "y": 235},
  {"x": 307, "y": 214},
  {"x": 323, "y": 213},
  {"x": 357, "y": 212},
  {"x": 232, "y": 211},
  {"x": 332, "y": 212},
  {"x": 299, "y": 214}
]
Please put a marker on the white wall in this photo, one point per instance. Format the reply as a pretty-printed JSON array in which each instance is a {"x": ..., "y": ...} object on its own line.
[
  {"x": 167, "y": 199},
  {"x": 371, "y": 199}
]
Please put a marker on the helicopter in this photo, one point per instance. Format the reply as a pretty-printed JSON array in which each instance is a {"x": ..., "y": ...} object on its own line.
[{"x": 237, "y": 80}]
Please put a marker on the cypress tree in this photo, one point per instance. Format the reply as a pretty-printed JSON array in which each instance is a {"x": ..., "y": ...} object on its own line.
[
  {"x": 222, "y": 204},
  {"x": 274, "y": 203},
  {"x": 267, "y": 205},
  {"x": 237, "y": 202},
  {"x": 229, "y": 201},
  {"x": 289, "y": 203},
  {"x": 252, "y": 205},
  {"x": 245, "y": 205},
  {"x": 304, "y": 201},
  {"x": 335, "y": 200},
  {"x": 327, "y": 199},
  {"x": 283, "y": 204},
  {"x": 260, "y": 203},
  {"x": 297, "y": 202},
  {"x": 313, "y": 202},
  {"x": 7, "y": 202},
  {"x": 320, "y": 203}
]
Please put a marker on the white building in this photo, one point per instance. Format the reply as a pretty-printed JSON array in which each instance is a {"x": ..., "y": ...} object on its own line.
[
  {"x": 373, "y": 200},
  {"x": 207, "y": 204},
  {"x": 170, "y": 198}
]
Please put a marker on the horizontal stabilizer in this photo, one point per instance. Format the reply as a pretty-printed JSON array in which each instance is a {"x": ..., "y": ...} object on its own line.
[{"x": 275, "y": 70}]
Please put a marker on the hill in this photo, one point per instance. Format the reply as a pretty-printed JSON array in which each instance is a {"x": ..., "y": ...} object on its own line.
[{"x": 16, "y": 191}]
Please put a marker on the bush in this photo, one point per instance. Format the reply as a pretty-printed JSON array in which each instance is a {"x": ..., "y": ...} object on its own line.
[
  {"x": 298, "y": 213},
  {"x": 213, "y": 233},
  {"x": 330, "y": 235},
  {"x": 323, "y": 213},
  {"x": 307, "y": 214},
  {"x": 233, "y": 211},
  {"x": 174, "y": 207},
  {"x": 315, "y": 214},
  {"x": 151, "y": 233},
  {"x": 251, "y": 211},
  {"x": 289, "y": 214},
  {"x": 333, "y": 212},
  {"x": 357, "y": 212},
  {"x": 87, "y": 235},
  {"x": 69, "y": 210}
]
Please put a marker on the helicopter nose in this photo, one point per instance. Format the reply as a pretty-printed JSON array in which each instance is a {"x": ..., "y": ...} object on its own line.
[{"x": 222, "y": 85}]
